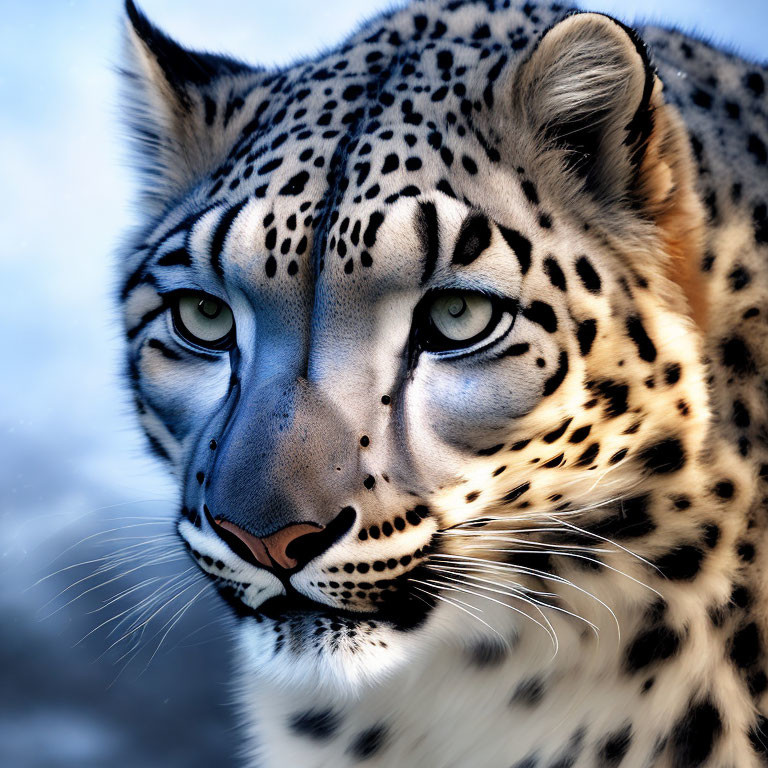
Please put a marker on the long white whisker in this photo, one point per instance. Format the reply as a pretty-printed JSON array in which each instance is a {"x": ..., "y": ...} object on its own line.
[
  {"x": 442, "y": 585},
  {"x": 140, "y": 539},
  {"x": 495, "y": 565},
  {"x": 147, "y": 604},
  {"x": 173, "y": 621},
  {"x": 128, "y": 610},
  {"x": 144, "y": 623},
  {"x": 134, "y": 552},
  {"x": 102, "y": 560},
  {"x": 168, "y": 519},
  {"x": 611, "y": 542},
  {"x": 456, "y": 603},
  {"x": 166, "y": 559},
  {"x": 549, "y": 629},
  {"x": 125, "y": 593},
  {"x": 577, "y": 556},
  {"x": 503, "y": 589},
  {"x": 498, "y": 535}
]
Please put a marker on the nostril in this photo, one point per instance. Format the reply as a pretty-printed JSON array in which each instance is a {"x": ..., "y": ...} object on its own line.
[
  {"x": 279, "y": 543},
  {"x": 251, "y": 548},
  {"x": 304, "y": 548}
]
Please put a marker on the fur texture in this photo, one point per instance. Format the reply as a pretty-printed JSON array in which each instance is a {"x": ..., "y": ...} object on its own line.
[{"x": 549, "y": 537}]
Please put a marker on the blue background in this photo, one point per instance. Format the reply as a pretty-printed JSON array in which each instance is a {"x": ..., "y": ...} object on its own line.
[{"x": 72, "y": 466}]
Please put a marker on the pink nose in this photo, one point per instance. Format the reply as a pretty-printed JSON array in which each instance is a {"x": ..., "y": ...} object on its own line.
[{"x": 272, "y": 549}]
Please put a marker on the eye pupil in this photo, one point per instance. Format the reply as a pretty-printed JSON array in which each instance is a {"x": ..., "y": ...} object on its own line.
[
  {"x": 456, "y": 306},
  {"x": 203, "y": 320},
  {"x": 209, "y": 308},
  {"x": 456, "y": 318}
]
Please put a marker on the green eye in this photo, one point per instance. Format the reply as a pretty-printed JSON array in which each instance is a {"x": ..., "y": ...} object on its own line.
[
  {"x": 456, "y": 323},
  {"x": 460, "y": 317},
  {"x": 204, "y": 320}
]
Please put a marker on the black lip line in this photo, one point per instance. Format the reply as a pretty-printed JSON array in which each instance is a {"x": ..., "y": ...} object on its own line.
[
  {"x": 279, "y": 607},
  {"x": 275, "y": 608}
]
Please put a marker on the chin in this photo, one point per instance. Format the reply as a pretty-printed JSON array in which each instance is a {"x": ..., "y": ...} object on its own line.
[
  {"x": 290, "y": 633},
  {"x": 319, "y": 648}
]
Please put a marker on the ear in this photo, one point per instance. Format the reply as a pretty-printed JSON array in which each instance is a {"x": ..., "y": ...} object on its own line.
[
  {"x": 177, "y": 103},
  {"x": 598, "y": 132},
  {"x": 586, "y": 95}
]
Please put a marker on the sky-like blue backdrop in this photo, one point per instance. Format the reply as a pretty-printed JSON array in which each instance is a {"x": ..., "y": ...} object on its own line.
[{"x": 71, "y": 461}]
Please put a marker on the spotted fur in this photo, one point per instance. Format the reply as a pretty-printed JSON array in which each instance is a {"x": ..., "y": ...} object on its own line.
[{"x": 545, "y": 550}]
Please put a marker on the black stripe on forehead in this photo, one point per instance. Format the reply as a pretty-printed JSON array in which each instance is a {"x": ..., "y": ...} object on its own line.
[
  {"x": 220, "y": 235},
  {"x": 429, "y": 235},
  {"x": 474, "y": 237},
  {"x": 179, "y": 257},
  {"x": 334, "y": 192},
  {"x": 140, "y": 275},
  {"x": 135, "y": 278},
  {"x": 186, "y": 225},
  {"x": 359, "y": 124},
  {"x": 520, "y": 245}
]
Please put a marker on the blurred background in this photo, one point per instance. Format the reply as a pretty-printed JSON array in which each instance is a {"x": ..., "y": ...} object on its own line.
[{"x": 82, "y": 682}]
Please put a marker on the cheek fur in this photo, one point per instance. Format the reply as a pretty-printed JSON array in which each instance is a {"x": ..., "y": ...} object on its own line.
[
  {"x": 184, "y": 391},
  {"x": 463, "y": 405}
]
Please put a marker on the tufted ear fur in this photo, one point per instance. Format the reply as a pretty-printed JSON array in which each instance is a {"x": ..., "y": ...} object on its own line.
[
  {"x": 585, "y": 94},
  {"x": 174, "y": 98},
  {"x": 597, "y": 131}
]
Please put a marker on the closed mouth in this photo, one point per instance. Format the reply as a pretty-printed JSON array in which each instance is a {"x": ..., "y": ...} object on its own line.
[
  {"x": 402, "y": 608},
  {"x": 293, "y": 603},
  {"x": 402, "y": 611}
]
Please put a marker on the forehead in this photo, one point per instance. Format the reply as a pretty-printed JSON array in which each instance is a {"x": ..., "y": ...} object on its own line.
[
  {"x": 353, "y": 125},
  {"x": 327, "y": 158}
]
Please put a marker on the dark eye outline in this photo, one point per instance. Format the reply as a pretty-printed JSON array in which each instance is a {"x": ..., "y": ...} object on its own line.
[
  {"x": 223, "y": 344},
  {"x": 425, "y": 336}
]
